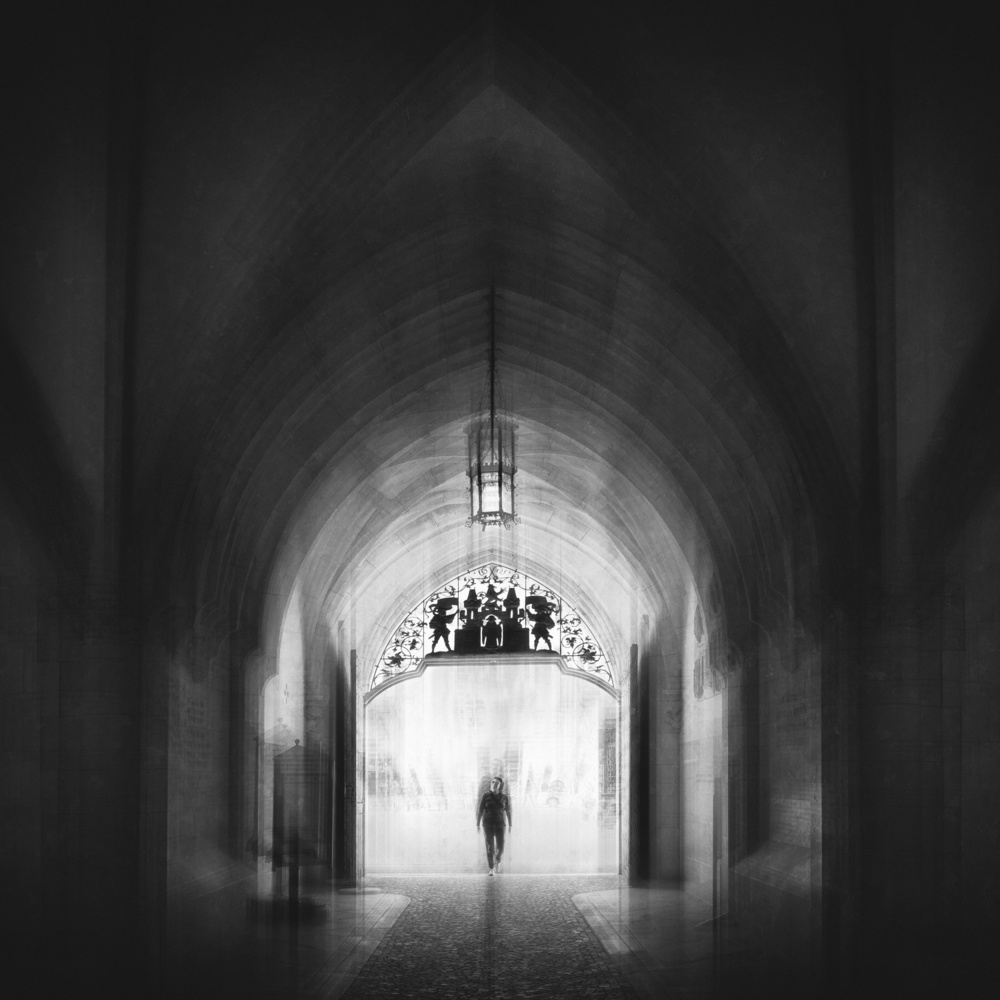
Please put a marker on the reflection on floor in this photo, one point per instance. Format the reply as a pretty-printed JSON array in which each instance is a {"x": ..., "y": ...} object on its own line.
[
  {"x": 661, "y": 939},
  {"x": 321, "y": 953},
  {"x": 511, "y": 936}
]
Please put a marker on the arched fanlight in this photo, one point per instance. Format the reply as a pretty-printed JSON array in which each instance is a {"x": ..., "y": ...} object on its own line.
[{"x": 492, "y": 453}]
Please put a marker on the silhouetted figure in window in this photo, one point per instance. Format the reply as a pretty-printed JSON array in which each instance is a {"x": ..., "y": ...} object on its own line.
[
  {"x": 544, "y": 621},
  {"x": 439, "y": 622},
  {"x": 530, "y": 788},
  {"x": 492, "y": 633},
  {"x": 492, "y": 807}
]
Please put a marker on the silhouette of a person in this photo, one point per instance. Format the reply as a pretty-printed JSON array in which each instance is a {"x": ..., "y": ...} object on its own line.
[
  {"x": 543, "y": 622},
  {"x": 530, "y": 789},
  {"x": 439, "y": 622},
  {"x": 492, "y": 807}
]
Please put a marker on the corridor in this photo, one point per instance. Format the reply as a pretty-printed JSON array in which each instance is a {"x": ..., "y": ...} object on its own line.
[
  {"x": 601, "y": 397},
  {"x": 511, "y": 936}
]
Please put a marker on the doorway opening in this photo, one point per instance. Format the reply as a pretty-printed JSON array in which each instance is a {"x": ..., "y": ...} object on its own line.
[{"x": 432, "y": 743}]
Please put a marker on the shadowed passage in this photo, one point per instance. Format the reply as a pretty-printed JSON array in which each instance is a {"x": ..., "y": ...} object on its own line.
[{"x": 509, "y": 936}]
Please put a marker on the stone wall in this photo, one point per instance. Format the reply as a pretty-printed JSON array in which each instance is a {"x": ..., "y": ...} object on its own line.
[
  {"x": 778, "y": 877},
  {"x": 665, "y": 714},
  {"x": 976, "y": 667},
  {"x": 28, "y": 776},
  {"x": 703, "y": 759},
  {"x": 209, "y": 876}
]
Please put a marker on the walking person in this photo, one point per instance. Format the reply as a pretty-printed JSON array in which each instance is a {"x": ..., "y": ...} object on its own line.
[{"x": 492, "y": 807}]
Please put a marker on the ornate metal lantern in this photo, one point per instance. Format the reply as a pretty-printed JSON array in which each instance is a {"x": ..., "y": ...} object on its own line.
[{"x": 492, "y": 453}]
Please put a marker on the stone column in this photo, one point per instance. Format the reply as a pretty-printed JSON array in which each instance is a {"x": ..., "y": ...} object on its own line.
[
  {"x": 94, "y": 845},
  {"x": 910, "y": 747},
  {"x": 345, "y": 853},
  {"x": 639, "y": 791}
]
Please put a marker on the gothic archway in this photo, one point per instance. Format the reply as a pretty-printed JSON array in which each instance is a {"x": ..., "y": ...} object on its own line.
[
  {"x": 500, "y": 657},
  {"x": 493, "y": 610}
]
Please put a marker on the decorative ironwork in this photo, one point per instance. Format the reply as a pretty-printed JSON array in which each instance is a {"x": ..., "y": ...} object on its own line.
[
  {"x": 492, "y": 610},
  {"x": 492, "y": 453}
]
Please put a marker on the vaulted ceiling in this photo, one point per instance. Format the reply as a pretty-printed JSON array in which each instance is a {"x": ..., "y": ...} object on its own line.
[
  {"x": 328, "y": 220},
  {"x": 680, "y": 208}
]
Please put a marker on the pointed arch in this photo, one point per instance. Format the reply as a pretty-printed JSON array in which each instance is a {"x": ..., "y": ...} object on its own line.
[{"x": 493, "y": 610}]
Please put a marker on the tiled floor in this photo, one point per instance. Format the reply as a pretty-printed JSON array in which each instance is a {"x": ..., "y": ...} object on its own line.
[{"x": 510, "y": 936}]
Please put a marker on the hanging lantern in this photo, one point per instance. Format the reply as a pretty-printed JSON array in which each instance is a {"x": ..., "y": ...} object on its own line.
[{"x": 492, "y": 453}]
